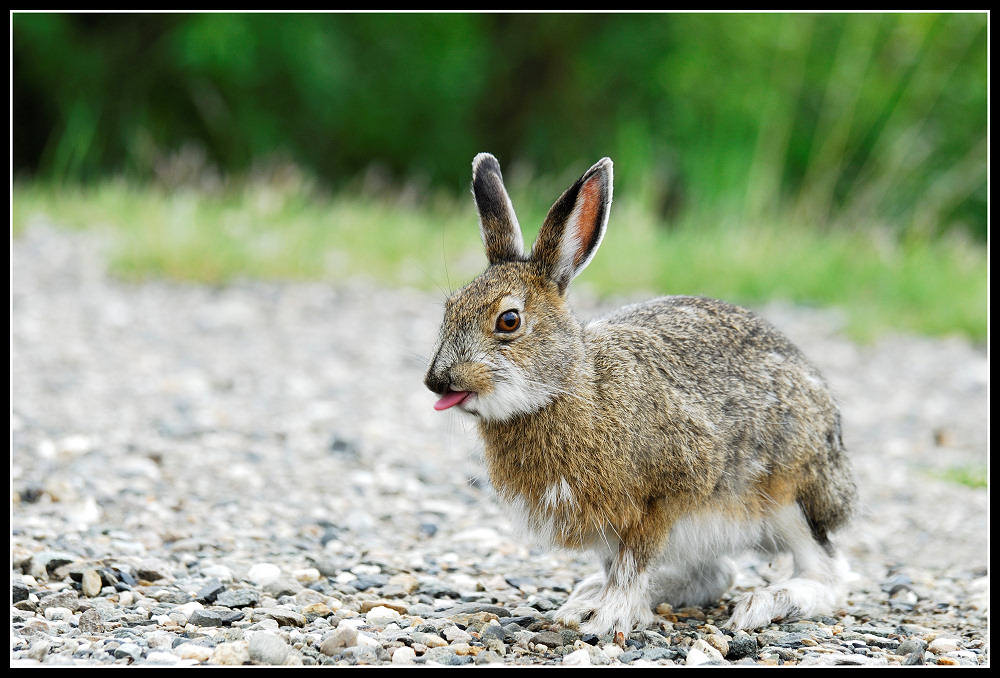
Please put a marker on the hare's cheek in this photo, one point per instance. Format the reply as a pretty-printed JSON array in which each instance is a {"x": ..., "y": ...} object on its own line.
[{"x": 515, "y": 392}]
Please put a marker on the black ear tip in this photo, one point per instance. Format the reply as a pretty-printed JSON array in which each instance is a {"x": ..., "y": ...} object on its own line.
[{"x": 484, "y": 161}]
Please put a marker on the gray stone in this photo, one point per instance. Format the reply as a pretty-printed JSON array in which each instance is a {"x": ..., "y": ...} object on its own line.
[
  {"x": 67, "y": 599},
  {"x": 488, "y": 657},
  {"x": 911, "y": 645},
  {"x": 472, "y": 608},
  {"x": 447, "y": 656},
  {"x": 361, "y": 655},
  {"x": 496, "y": 631},
  {"x": 741, "y": 645},
  {"x": 657, "y": 653},
  {"x": 629, "y": 656},
  {"x": 267, "y": 648},
  {"x": 44, "y": 563},
  {"x": 550, "y": 639},
  {"x": 18, "y": 592},
  {"x": 210, "y": 591},
  {"x": 282, "y": 586},
  {"x": 152, "y": 570},
  {"x": 130, "y": 650},
  {"x": 238, "y": 598},
  {"x": 210, "y": 617},
  {"x": 90, "y": 622},
  {"x": 282, "y": 616}
]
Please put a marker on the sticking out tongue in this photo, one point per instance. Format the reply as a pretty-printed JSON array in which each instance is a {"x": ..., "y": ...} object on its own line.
[{"x": 451, "y": 399}]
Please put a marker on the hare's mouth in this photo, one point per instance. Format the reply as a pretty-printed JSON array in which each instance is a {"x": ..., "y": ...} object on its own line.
[{"x": 452, "y": 398}]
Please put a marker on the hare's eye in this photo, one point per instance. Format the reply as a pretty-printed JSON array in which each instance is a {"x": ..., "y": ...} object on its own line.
[{"x": 508, "y": 321}]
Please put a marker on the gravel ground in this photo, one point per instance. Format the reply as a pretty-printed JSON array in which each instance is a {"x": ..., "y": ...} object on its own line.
[{"x": 254, "y": 474}]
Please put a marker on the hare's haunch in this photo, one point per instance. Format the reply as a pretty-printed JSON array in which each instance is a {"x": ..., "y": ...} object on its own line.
[{"x": 664, "y": 437}]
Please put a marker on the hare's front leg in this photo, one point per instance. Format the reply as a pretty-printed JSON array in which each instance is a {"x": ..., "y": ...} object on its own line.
[
  {"x": 582, "y": 602},
  {"x": 623, "y": 602},
  {"x": 585, "y": 598}
]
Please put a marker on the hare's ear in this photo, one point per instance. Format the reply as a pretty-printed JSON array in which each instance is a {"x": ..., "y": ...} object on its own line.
[
  {"x": 575, "y": 225},
  {"x": 497, "y": 221}
]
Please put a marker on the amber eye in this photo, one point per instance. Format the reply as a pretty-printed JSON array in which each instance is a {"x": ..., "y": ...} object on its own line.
[{"x": 508, "y": 321}]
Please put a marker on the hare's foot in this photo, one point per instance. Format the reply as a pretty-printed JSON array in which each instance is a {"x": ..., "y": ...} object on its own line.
[
  {"x": 623, "y": 602},
  {"x": 794, "y": 599},
  {"x": 817, "y": 587},
  {"x": 621, "y": 609},
  {"x": 582, "y": 602},
  {"x": 693, "y": 587}
]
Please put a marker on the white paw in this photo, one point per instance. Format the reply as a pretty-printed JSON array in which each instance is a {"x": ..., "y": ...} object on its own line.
[
  {"x": 582, "y": 603},
  {"x": 610, "y": 619},
  {"x": 621, "y": 609},
  {"x": 576, "y": 609},
  {"x": 795, "y": 598},
  {"x": 752, "y": 611}
]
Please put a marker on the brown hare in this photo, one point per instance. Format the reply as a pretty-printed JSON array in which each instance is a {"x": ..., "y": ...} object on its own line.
[{"x": 664, "y": 437}]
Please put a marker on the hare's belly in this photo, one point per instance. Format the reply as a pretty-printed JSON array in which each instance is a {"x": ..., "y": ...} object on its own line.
[{"x": 556, "y": 518}]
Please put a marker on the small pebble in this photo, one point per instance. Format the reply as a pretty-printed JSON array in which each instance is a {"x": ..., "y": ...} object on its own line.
[{"x": 267, "y": 648}]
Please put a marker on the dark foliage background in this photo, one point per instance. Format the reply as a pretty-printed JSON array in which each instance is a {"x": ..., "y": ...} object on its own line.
[{"x": 695, "y": 109}]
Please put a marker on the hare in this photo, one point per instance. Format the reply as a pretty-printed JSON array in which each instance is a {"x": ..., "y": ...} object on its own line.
[{"x": 663, "y": 437}]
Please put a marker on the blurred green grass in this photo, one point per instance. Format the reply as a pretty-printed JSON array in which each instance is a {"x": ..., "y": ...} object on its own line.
[
  {"x": 883, "y": 281},
  {"x": 970, "y": 476}
]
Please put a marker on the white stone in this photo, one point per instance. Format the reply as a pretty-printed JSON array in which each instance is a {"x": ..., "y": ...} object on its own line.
[
  {"x": 941, "y": 645},
  {"x": 612, "y": 651},
  {"x": 306, "y": 575},
  {"x": 194, "y": 651},
  {"x": 579, "y": 657},
  {"x": 160, "y": 640},
  {"x": 235, "y": 653},
  {"x": 696, "y": 657},
  {"x": 457, "y": 635},
  {"x": 403, "y": 655},
  {"x": 263, "y": 573},
  {"x": 58, "y": 613},
  {"x": 220, "y": 572},
  {"x": 364, "y": 640},
  {"x": 162, "y": 658},
  {"x": 380, "y": 616}
]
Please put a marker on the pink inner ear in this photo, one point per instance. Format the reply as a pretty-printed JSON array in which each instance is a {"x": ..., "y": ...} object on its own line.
[{"x": 588, "y": 203}]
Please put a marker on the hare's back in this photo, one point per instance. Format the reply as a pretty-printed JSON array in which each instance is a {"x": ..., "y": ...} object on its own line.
[{"x": 709, "y": 352}]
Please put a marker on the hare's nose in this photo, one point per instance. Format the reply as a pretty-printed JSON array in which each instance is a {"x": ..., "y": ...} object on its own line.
[{"x": 437, "y": 381}]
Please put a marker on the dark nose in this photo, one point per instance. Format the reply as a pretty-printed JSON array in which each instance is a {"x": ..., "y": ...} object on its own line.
[{"x": 437, "y": 381}]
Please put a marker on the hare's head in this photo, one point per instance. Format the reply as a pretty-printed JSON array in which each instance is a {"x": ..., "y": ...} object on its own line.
[{"x": 508, "y": 342}]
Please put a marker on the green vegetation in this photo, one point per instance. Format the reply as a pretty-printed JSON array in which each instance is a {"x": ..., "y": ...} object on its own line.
[
  {"x": 270, "y": 230},
  {"x": 970, "y": 476},
  {"x": 858, "y": 119}
]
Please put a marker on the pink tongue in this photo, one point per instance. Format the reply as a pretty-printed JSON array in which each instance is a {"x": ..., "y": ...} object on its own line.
[{"x": 453, "y": 398}]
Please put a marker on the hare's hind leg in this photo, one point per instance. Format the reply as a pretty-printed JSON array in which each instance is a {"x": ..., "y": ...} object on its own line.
[
  {"x": 817, "y": 586},
  {"x": 696, "y": 586}
]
